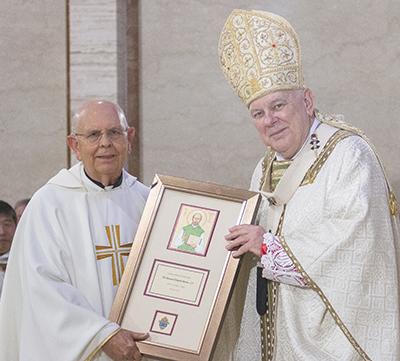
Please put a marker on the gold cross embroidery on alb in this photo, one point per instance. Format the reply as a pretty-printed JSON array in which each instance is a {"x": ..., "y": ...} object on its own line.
[{"x": 116, "y": 251}]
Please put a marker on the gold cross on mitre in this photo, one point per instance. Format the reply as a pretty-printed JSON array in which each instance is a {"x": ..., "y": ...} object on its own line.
[{"x": 115, "y": 250}]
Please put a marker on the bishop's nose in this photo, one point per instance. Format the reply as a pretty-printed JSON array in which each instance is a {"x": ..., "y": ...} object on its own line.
[{"x": 269, "y": 119}]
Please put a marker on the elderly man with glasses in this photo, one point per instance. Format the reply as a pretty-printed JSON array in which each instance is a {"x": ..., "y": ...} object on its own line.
[{"x": 70, "y": 250}]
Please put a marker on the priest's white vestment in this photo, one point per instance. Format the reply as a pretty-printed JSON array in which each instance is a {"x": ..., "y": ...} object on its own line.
[
  {"x": 339, "y": 231},
  {"x": 65, "y": 265}
]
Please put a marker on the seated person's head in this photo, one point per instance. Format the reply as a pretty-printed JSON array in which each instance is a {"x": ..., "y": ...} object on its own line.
[
  {"x": 8, "y": 224},
  {"x": 20, "y": 207}
]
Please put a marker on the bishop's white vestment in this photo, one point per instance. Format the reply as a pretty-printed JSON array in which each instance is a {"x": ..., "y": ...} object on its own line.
[
  {"x": 65, "y": 265},
  {"x": 340, "y": 230}
]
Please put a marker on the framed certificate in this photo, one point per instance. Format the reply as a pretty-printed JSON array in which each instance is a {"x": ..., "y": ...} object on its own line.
[{"x": 179, "y": 276}]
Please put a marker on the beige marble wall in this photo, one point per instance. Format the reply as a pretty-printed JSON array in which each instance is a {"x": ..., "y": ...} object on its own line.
[
  {"x": 194, "y": 126},
  {"x": 93, "y": 51},
  {"x": 33, "y": 90},
  {"x": 102, "y": 58}
]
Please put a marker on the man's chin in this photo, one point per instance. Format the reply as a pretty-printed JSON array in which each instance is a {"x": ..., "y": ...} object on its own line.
[
  {"x": 107, "y": 167},
  {"x": 103, "y": 174},
  {"x": 279, "y": 149}
]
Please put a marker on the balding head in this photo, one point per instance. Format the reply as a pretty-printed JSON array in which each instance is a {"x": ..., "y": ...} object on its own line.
[
  {"x": 92, "y": 108},
  {"x": 101, "y": 139}
]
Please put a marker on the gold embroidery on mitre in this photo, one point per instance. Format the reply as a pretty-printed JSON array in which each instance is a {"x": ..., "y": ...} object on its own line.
[
  {"x": 255, "y": 85},
  {"x": 259, "y": 53}
]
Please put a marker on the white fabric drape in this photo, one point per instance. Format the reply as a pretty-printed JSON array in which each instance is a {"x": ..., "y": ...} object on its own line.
[{"x": 57, "y": 295}]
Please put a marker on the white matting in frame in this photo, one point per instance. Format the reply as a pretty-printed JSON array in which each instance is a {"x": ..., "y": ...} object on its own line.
[{"x": 167, "y": 289}]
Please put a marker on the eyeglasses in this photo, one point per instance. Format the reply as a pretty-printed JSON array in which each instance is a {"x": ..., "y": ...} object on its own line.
[{"x": 94, "y": 136}]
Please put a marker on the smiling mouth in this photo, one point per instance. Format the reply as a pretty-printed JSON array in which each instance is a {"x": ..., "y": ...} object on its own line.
[
  {"x": 106, "y": 156},
  {"x": 277, "y": 132}
]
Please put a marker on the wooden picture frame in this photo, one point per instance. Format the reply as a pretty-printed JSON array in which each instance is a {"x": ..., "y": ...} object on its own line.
[{"x": 173, "y": 286}]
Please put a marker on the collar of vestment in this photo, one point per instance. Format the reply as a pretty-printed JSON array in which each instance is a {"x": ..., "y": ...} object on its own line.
[
  {"x": 301, "y": 170},
  {"x": 280, "y": 165},
  {"x": 313, "y": 128},
  {"x": 294, "y": 174},
  {"x": 75, "y": 178},
  {"x": 117, "y": 183}
]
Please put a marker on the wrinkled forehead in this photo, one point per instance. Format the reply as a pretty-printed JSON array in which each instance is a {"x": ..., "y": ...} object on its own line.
[
  {"x": 97, "y": 117},
  {"x": 276, "y": 97}
]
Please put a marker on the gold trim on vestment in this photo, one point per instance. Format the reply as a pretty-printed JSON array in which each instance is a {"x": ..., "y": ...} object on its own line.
[
  {"x": 314, "y": 169},
  {"x": 278, "y": 170},
  {"x": 267, "y": 321},
  {"x": 327, "y": 304},
  {"x": 90, "y": 357},
  {"x": 346, "y": 130},
  {"x": 393, "y": 205},
  {"x": 338, "y": 122},
  {"x": 266, "y": 169},
  {"x": 323, "y": 157},
  {"x": 280, "y": 224}
]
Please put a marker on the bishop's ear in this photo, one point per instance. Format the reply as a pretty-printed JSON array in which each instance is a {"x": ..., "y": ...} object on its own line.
[{"x": 309, "y": 101}]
